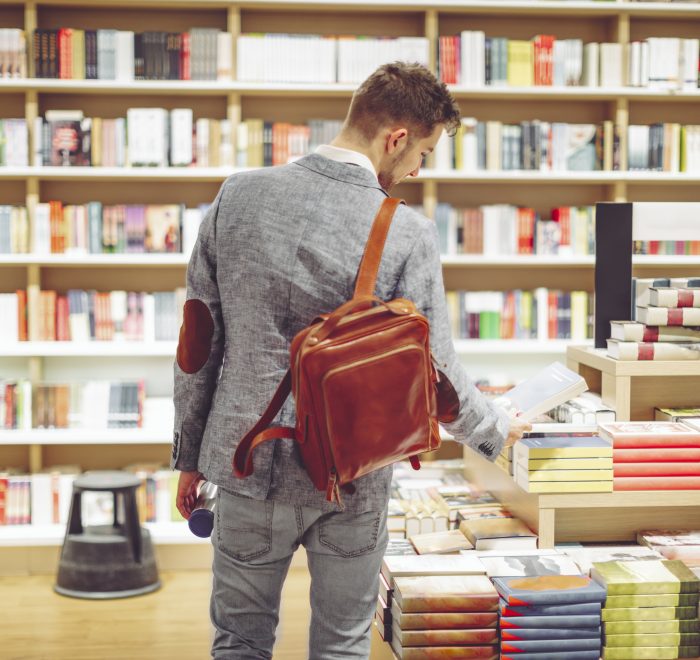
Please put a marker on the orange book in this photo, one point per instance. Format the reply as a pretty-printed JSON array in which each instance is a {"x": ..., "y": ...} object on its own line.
[
  {"x": 47, "y": 314},
  {"x": 445, "y": 593},
  {"x": 22, "y": 314},
  {"x": 62, "y": 319},
  {"x": 650, "y": 434}
]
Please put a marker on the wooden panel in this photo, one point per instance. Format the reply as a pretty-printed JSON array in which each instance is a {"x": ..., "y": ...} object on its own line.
[
  {"x": 12, "y": 106},
  {"x": 660, "y": 392},
  {"x": 14, "y": 456},
  {"x": 615, "y": 392},
  {"x": 12, "y": 192},
  {"x": 575, "y": 111},
  {"x": 642, "y": 28},
  {"x": 106, "y": 279},
  {"x": 656, "y": 193},
  {"x": 526, "y": 27},
  {"x": 467, "y": 196},
  {"x": 502, "y": 279},
  {"x": 592, "y": 377},
  {"x": 12, "y": 278},
  {"x": 652, "y": 112},
  {"x": 110, "y": 106},
  {"x": 190, "y": 193},
  {"x": 311, "y": 21},
  {"x": 12, "y": 16},
  {"x": 621, "y": 524},
  {"x": 105, "y": 457},
  {"x": 297, "y": 111},
  {"x": 138, "y": 20}
]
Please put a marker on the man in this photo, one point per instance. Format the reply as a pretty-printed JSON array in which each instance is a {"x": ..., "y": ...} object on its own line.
[{"x": 278, "y": 247}]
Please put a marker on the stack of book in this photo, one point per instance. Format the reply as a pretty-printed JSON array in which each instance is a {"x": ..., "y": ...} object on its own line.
[
  {"x": 651, "y": 609},
  {"x": 505, "y": 460},
  {"x": 441, "y": 543},
  {"x": 676, "y": 414},
  {"x": 554, "y": 614},
  {"x": 674, "y": 544},
  {"x": 14, "y": 229},
  {"x": 498, "y": 531},
  {"x": 587, "y": 408},
  {"x": 564, "y": 464},
  {"x": 654, "y": 455},
  {"x": 444, "y": 617}
]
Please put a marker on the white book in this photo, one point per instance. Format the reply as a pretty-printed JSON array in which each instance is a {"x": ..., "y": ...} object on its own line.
[
  {"x": 611, "y": 71},
  {"x": 125, "y": 55},
  {"x": 95, "y": 404},
  {"x": 591, "y": 65},
  {"x": 674, "y": 297},
  {"x": 394, "y": 566},
  {"x": 634, "y": 74},
  {"x": 41, "y": 499},
  {"x": 543, "y": 391},
  {"x": 149, "y": 318},
  {"x": 224, "y": 55},
  {"x": 529, "y": 565},
  {"x": 585, "y": 556},
  {"x": 630, "y": 350},
  {"x": 688, "y": 316},
  {"x": 25, "y": 420},
  {"x": 559, "y": 63},
  {"x": 106, "y": 54},
  {"x": 191, "y": 220},
  {"x": 181, "y": 136},
  {"x": 9, "y": 328},
  {"x": 644, "y": 65},
  {"x": 65, "y": 494},
  {"x": 690, "y": 55}
]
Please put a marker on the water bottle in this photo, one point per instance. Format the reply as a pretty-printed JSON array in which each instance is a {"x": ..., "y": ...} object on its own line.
[{"x": 201, "y": 521}]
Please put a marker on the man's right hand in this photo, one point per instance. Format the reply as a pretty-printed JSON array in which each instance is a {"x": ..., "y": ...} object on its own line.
[{"x": 518, "y": 427}]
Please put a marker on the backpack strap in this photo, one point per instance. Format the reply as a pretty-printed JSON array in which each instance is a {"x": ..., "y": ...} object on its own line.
[
  {"x": 369, "y": 266},
  {"x": 243, "y": 457}
]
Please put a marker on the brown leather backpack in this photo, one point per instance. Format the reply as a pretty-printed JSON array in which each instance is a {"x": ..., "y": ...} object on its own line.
[{"x": 364, "y": 383}]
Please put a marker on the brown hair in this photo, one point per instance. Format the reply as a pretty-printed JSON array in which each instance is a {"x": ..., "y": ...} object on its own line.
[{"x": 402, "y": 92}]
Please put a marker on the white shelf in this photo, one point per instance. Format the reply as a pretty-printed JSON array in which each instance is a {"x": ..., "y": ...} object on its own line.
[
  {"x": 213, "y": 88},
  {"x": 515, "y": 346},
  {"x": 444, "y": 176},
  {"x": 666, "y": 260},
  {"x": 130, "y": 259},
  {"x": 147, "y": 436},
  {"x": 88, "y": 349},
  {"x": 47, "y": 535},
  {"x": 558, "y": 7},
  {"x": 517, "y": 260}
]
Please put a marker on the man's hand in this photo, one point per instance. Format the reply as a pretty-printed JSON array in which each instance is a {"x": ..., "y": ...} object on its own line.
[
  {"x": 518, "y": 426},
  {"x": 187, "y": 492}
]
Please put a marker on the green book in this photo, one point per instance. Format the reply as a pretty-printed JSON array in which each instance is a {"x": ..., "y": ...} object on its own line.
[
  {"x": 645, "y": 577},
  {"x": 653, "y": 600},
  {"x": 654, "y": 640},
  {"x": 647, "y": 613},
  {"x": 649, "y": 652},
  {"x": 652, "y": 627}
]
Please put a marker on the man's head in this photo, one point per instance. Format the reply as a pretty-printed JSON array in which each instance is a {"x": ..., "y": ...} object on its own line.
[{"x": 397, "y": 116}]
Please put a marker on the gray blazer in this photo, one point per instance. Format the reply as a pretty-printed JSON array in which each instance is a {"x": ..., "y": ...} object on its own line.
[{"x": 279, "y": 246}]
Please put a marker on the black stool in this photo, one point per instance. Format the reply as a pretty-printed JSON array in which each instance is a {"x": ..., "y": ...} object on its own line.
[{"x": 107, "y": 561}]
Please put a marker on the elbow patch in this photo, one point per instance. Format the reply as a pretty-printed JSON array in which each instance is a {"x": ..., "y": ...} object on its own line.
[{"x": 194, "y": 345}]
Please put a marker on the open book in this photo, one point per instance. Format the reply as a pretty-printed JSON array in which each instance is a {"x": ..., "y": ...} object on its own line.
[{"x": 545, "y": 390}]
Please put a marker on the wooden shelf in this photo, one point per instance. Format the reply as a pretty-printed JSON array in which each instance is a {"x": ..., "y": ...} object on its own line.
[
  {"x": 144, "y": 436},
  {"x": 89, "y": 349},
  {"x": 586, "y": 517},
  {"x": 633, "y": 388},
  {"x": 518, "y": 261},
  {"x": 94, "y": 260}
]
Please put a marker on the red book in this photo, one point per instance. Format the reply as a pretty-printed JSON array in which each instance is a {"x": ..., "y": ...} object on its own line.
[
  {"x": 64, "y": 63},
  {"x": 686, "y": 469},
  {"x": 10, "y": 406},
  {"x": 650, "y": 434},
  {"x": 22, "y": 314},
  {"x": 62, "y": 319},
  {"x": 655, "y": 454},
  {"x": 3, "y": 500},
  {"x": 185, "y": 57},
  {"x": 553, "y": 308},
  {"x": 656, "y": 483}
]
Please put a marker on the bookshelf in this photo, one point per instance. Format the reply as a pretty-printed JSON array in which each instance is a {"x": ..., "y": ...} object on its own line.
[{"x": 238, "y": 100}]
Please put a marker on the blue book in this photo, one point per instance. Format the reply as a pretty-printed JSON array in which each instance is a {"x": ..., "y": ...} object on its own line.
[
  {"x": 549, "y": 590},
  {"x": 576, "y": 621},
  {"x": 570, "y": 655},
  {"x": 548, "y": 610},
  {"x": 562, "y": 646},
  {"x": 518, "y": 635}
]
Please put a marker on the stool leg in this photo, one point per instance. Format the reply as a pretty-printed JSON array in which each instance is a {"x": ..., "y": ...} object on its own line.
[
  {"x": 131, "y": 524},
  {"x": 75, "y": 523},
  {"x": 116, "y": 512}
]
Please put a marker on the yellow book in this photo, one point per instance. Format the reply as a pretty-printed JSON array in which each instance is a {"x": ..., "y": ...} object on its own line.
[
  {"x": 520, "y": 63},
  {"x": 78, "y": 44},
  {"x": 569, "y": 464},
  {"x": 568, "y": 487},
  {"x": 459, "y": 147},
  {"x": 562, "y": 475},
  {"x": 684, "y": 151},
  {"x": 96, "y": 142},
  {"x": 561, "y": 447}
]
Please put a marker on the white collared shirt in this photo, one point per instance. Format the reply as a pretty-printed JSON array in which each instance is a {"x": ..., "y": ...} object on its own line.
[{"x": 346, "y": 156}]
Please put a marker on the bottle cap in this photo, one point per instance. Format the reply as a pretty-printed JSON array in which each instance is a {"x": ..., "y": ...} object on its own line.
[{"x": 201, "y": 522}]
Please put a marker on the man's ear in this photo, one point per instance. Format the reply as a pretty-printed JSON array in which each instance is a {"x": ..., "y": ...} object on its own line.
[{"x": 396, "y": 140}]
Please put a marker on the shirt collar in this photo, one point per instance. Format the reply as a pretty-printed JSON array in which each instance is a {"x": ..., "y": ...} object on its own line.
[{"x": 346, "y": 156}]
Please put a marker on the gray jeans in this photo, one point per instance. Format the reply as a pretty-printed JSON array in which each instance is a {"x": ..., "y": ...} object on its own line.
[{"x": 253, "y": 545}]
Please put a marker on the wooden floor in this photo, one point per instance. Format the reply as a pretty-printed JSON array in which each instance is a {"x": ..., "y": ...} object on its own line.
[{"x": 171, "y": 623}]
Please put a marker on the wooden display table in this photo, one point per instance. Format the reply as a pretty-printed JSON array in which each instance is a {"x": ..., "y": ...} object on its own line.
[
  {"x": 585, "y": 517},
  {"x": 633, "y": 389}
]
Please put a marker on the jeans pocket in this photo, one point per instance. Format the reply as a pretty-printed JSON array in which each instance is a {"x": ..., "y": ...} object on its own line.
[
  {"x": 350, "y": 534},
  {"x": 243, "y": 526}
]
